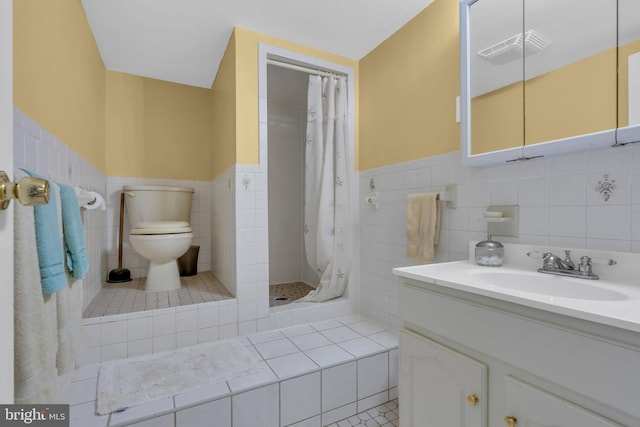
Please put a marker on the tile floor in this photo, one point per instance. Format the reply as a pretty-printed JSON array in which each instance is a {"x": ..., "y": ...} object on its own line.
[
  {"x": 129, "y": 297},
  {"x": 385, "y": 415},
  {"x": 349, "y": 364},
  {"x": 285, "y": 293}
]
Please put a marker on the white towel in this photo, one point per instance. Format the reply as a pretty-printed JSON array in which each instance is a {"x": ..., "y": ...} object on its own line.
[
  {"x": 423, "y": 226},
  {"x": 69, "y": 315},
  {"x": 35, "y": 338}
]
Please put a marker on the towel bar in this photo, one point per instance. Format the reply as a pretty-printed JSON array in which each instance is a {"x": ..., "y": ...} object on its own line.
[{"x": 450, "y": 196}]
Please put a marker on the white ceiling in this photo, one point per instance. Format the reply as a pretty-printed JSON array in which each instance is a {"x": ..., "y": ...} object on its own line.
[{"x": 183, "y": 41}]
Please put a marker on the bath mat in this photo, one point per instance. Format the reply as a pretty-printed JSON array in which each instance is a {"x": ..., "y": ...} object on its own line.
[{"x": 142, "y": 379}]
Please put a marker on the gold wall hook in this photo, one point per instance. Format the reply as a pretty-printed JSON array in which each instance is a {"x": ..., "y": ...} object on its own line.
[
  {"x": 473, "y": 399},
  {"x": 510, "y": 421},
  {"x": 29, "y": 191}
]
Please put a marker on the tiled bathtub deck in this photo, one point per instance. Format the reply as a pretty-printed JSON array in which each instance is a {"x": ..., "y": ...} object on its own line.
[{"x": 311, "y": 375}]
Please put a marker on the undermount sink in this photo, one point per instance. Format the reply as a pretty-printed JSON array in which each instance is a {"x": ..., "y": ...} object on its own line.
[{"x": 553, "y": 286}]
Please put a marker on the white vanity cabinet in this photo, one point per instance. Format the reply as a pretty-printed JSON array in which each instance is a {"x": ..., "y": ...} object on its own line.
[
  {"x": 471, "y": 360},
  {"x": 445, "y": 388},
  {"x": 531, "y": 406}
]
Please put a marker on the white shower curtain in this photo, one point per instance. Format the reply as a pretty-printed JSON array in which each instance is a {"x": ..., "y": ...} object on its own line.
[{"x": 326, "y": 211}]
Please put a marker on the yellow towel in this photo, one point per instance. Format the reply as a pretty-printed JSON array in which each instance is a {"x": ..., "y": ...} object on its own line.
[{"x": 423, "y": 225}]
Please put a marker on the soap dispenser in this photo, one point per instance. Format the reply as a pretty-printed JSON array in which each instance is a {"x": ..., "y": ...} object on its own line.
[{"x": 489, "y": 253}]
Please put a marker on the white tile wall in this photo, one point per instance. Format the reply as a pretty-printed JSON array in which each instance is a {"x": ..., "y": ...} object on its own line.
[
  {"x": 259, "y": 407},
  {"x": 373, "y": 375},
  {"x": 217, "y": 412},
  {"x": 299, "y": 398},
  {"x": 223, "y": 229},
  {"x": 339, "y": 386},
  {"x": 559, "y": 206},
  {"x": 39, "y": 151},
  {"x": 144, "y": 332}
]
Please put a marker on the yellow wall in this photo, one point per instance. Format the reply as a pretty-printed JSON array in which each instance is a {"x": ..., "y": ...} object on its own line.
[
  {"x": 58, "y": 74},
  {"x": 498, "y": 119},
  {"x": 576, "y": 99},
  {"x": 123, "y": 125},
  {"x": 157, "y": 129},
  {"x": 223, "y": 98},
  {"x": 247, "y": 124},
  {"x": 408, "y": 87}
]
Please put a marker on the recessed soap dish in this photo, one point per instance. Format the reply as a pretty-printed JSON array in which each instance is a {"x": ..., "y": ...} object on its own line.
[
  {"x": 493, "y": 214},
  {"x": 501, "y": 220}
]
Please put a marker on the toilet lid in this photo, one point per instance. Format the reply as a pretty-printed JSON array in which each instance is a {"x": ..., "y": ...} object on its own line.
[{"x": 162, "y": 227}]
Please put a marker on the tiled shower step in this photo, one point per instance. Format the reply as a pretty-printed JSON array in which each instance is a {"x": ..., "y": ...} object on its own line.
[{"x": 310, "y": 375}]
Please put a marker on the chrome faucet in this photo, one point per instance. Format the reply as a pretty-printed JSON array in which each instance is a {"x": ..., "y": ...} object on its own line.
[
  {"x": 553, "y": 264},
  {"x": 556, "y": 262}
]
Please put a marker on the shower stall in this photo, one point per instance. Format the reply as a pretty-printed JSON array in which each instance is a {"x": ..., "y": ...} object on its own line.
[
  {"x": 290, "y": 276},
  {"x": 307, "y": 149}
]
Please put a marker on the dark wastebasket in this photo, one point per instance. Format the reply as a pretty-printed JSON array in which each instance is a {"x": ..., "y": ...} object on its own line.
[{"x": 188, "y": 263}]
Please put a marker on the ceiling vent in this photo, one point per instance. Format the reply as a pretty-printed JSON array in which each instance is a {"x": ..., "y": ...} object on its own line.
[{"x": 511, "y": 49}]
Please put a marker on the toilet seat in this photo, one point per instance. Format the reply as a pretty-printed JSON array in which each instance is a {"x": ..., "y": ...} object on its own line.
[{"x": 162, "y": 227}]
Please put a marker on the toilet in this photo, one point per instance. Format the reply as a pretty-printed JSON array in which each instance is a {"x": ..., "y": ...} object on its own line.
[{"x": 160, "y": 230}]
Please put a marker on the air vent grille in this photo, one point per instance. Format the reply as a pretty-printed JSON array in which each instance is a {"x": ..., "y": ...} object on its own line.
[{"x": 511, "y": 49}]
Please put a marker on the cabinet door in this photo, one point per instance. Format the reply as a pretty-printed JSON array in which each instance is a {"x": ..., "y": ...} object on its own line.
[
  {"x": 532, "y": 407},
  {"x": 439, "y": 386}
]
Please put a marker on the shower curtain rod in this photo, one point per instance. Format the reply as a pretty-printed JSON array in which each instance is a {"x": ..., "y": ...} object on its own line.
[{"x": 303, "y": 68}]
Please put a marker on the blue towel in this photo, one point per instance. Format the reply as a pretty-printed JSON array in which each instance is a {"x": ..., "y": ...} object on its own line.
[
  {"x": 73, "y": 232},
  {"x": 49, "y": 245}
]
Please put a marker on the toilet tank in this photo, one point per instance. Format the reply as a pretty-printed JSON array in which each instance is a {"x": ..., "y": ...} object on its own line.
[{"x": 145, "y": 203}]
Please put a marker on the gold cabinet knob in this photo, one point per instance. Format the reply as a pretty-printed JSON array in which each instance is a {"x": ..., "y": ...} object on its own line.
[
  {"x": 510, "y": 421},
  {"x": 473, "y": 399},
  {"x": 29, "y": 191}
]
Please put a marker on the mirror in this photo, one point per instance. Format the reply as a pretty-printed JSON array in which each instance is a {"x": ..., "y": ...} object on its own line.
[
  {"x": 538, "y": 78},
  {"x": 628, "y": 71},
  {"x": 496, "y": 80}
]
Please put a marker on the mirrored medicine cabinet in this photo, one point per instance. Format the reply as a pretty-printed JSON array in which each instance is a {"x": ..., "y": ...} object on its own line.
[{"x": 544, "y": 77}]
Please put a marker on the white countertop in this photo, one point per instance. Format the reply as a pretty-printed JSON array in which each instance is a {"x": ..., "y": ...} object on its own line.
[{"x": 622, "y": 312}]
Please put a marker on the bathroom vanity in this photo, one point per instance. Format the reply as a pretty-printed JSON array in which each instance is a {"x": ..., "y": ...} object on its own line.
[{"x": 490, "y": 346}]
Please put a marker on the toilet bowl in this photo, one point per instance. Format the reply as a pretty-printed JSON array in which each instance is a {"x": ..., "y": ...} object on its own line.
[
  {"x": 162, "y": 251},
  {"x": 160, "y": 231}
]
